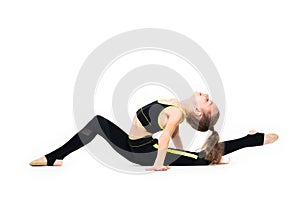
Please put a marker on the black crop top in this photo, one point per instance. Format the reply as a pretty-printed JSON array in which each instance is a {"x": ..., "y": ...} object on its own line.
[{"x": 149, "y": 114}]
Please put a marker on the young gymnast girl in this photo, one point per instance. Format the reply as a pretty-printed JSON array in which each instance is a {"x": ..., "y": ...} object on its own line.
[{"x": 138, "y": 146}]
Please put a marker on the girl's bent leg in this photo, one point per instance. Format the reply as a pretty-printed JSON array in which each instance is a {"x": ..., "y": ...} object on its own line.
[{"x": 114, "y": 135}]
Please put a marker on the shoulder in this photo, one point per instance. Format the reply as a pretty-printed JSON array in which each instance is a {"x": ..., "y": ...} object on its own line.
[
  {"x": 171, "y": 101},
  {"x": 174, "y": 114}
]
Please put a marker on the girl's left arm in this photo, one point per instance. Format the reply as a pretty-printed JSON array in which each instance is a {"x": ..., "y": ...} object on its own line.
[{"x": 163, "y": 144}]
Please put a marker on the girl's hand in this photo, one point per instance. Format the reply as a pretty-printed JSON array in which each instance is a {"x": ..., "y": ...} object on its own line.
[{"x": 158, "y": 168}]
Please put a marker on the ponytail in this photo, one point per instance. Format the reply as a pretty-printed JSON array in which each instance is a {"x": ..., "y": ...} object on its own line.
[{"x": 213, "y": 148}]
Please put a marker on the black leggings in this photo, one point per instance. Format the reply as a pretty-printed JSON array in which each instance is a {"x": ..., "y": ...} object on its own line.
[{"x": 141, "y": 151}]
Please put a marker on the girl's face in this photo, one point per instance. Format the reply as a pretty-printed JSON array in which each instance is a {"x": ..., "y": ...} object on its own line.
[
  {"x": 205, "y": 106},
  {"x": 203, "y": 103}
]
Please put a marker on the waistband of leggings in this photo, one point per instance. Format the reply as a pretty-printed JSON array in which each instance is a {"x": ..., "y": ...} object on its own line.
[{"x": 142, "y": 141}]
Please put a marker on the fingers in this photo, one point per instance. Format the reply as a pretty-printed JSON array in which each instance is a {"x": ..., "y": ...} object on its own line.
[
  {"x": 224, "y": 161},
  {"x": 163, "y": 168}
]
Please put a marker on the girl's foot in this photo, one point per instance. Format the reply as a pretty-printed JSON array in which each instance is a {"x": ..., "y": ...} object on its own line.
[
  {"x": 268, "y": 138},
  {"x": 43, "y": 162}
]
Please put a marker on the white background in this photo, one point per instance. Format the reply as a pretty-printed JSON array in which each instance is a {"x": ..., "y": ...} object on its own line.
[{"x": 254, "y": 44}]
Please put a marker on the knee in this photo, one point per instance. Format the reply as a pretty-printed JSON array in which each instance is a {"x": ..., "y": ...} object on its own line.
[{"x": 98, "y": 117}]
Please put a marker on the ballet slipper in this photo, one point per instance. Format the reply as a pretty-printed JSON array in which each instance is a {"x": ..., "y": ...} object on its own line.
[
  {"x": 269, "y": 138},
  {"x": 43, "y": 162}
]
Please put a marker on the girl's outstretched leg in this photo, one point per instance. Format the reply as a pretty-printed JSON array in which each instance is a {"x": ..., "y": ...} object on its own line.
[{"x": 251, "y": 140}]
